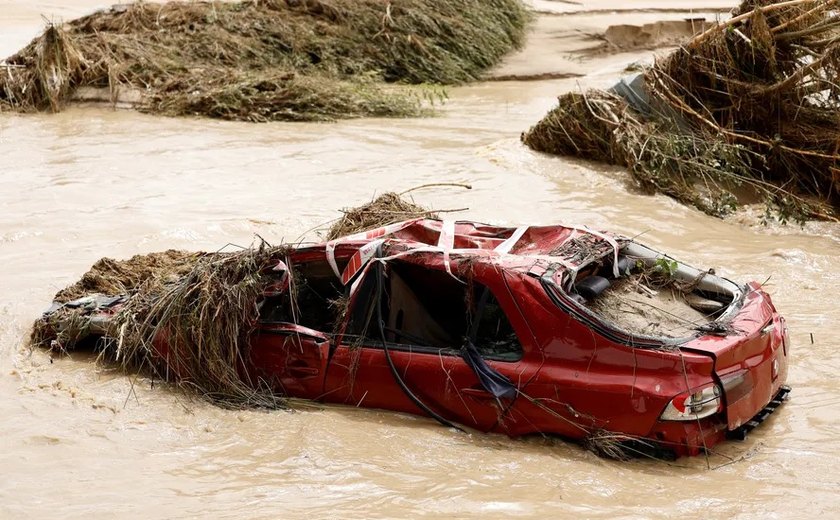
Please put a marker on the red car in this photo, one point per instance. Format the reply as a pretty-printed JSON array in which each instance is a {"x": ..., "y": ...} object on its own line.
[{"x": 530, "y": 330}]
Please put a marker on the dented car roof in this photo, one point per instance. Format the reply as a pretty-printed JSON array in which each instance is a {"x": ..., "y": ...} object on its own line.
[{"x": 526, "y": 248}]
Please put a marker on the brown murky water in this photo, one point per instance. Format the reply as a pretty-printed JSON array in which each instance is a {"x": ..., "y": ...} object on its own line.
[{"x": 77, "y": 442}]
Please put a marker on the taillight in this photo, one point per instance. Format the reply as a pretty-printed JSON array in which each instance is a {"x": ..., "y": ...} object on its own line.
[{"x": 696, "y": 404}]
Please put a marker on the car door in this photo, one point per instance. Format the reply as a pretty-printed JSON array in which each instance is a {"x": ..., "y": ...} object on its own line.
[
  {"x": 406, "y": 354},
  {"x": 289, "y": 359}
]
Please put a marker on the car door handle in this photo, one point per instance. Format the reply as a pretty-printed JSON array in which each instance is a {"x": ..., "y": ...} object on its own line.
[
  {"x": 477, "y": 393},
  {"x": 303, "y": 371}
]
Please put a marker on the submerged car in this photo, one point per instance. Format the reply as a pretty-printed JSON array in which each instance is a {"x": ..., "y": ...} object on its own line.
[{"x": 549, "y": 330}]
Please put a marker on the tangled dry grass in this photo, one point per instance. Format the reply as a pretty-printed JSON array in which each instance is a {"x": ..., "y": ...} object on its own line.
[
  {"x": 381, "y": 211},
  {"x": 747, "y": 109},
  {"x": 264, "y": 60},
  {"x": 112, "y": 277},
  {"x": 188, "y": 318}
]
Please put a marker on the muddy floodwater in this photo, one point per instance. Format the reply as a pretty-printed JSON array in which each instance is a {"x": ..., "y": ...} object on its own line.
[{"x": 81, "y": 440}]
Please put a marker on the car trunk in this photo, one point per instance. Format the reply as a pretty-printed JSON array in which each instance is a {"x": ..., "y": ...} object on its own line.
[
  {"x": 653, "y": 301},
  {"x": 751, "y": 359}
]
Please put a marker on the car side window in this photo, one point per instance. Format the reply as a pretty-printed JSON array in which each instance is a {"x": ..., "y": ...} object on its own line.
[
  {"x": 495, "y": 337},
  {"x": 312, "y": 298},
  {"x": 427, "y": 309}
]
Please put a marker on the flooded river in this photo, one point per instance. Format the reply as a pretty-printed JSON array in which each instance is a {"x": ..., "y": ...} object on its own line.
[{"x": 83, "y": 441}]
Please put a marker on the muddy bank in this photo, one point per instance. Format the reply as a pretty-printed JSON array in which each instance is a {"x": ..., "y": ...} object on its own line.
[
  {"x": 578, "y": 43},
  {"x": 572, "y": 7},
  {"x": 265, "y": 61},
  {"x": 664, "y": 33}
]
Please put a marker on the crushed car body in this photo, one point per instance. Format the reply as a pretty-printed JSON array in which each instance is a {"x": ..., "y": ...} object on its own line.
[{"x": 549, "y": 330}]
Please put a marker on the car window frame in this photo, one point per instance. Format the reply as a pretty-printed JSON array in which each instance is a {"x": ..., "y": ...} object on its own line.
[{"x": 367, "y": 341}]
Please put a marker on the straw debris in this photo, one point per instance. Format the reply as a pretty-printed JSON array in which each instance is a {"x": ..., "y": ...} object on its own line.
[
  {"x": 113, "y": 277},
  {"x": 746, "y": 111},
  {"x": 385, "y": 209},
  {"x": 206, "y": 318},
  {"x": 188, "y": 318},
  {"x": 266, "y": 60},
  {"x": 617, "y": 446}
]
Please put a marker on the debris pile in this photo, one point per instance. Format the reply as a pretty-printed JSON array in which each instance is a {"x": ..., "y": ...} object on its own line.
[
  {"x": 746, "y": 111},
  {"x": 383, "y": 210},
  {"x": 266, "y": 60},
  {"x": 651, "y": 302},
  {"x": 112, "y": 277},
  {"x": 202, "y": 306}
]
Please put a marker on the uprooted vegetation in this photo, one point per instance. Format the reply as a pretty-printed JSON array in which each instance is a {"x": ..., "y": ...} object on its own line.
[
  {"x": 109, "y": 276},
  {"x": 747, "y": 110},
  {"x": 265, "y": 60},
  {"x": 204, "y": 305},
  {"x": 385, "y": 209}
]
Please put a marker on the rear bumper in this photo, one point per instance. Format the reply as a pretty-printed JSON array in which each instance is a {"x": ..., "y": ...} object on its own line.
[
  {"x": 689, "y": 438},
  {"x": 741, "y": 433}
]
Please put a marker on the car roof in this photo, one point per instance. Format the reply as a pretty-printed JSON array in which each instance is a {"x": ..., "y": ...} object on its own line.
[{"x": 525, "y": 248}]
